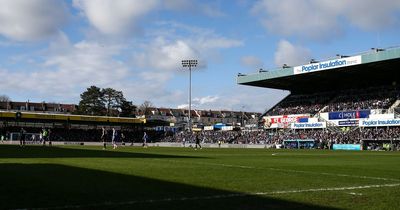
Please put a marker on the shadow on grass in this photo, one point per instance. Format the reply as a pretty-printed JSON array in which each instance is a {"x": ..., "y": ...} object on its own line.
[
  {"x": 14, "y": 151},
  {"x": 58, "y": 186}
]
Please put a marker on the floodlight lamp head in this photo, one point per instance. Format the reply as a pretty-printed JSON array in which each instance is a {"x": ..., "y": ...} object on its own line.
[
  {"x": 189, "y": 63},
  {"x": 341, "y": 56},
  {"x": 377, "y": 49}
]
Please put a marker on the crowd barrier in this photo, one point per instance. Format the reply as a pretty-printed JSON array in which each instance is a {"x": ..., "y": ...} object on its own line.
[{"x": 156, "y": 144}]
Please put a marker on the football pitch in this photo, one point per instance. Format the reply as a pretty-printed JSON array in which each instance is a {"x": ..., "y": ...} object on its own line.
[{"x": 87, "y": 177}]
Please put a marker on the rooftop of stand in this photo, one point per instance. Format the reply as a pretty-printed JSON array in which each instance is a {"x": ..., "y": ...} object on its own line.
[{"x": 375, "y": 68}]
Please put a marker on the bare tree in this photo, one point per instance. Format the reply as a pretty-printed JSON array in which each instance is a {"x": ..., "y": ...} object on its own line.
[
  {"x": 145, "y": 107},
  {"x": 4, "y": 98}
]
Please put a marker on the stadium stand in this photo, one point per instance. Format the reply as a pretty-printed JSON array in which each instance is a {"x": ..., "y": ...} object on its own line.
[
  {"x": 352, "y": 101},
  {"x": 380, "y": 97},
  {"x": 301, "y": 104},
  {"x": 346, "y": 100}
]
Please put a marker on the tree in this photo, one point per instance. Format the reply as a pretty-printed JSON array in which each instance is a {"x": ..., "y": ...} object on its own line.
[
  {"x": 145, "y": 107},
  {"x": 106, "y": 101},
  {"x": 92, "y": 102},
  {"x": 4, "y": 98},
  {"x": 112, "y": 99},
  {"x": 127, "y": 109},
  {"x": 116, "y": 103}
]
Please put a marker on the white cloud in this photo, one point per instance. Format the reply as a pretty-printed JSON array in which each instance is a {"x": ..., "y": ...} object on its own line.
[
  {"x": 324, "y": 19},
  {"x": 252, "y": 62},
  {"x": 236, "y": 98},
  {"x": 217, "y": 42},
  {"x": 239, "y": 98},
  {"x": 300, "y": 18},
  {"x": 287, "y": 53},
  {"x": 372, "y": 14},
  {"x": 115, "y": 17},
  {"x": 206, "y": 100},
  {"x": 155, "y": 76},
  {"x": 161, "y": 56},
  {"x": 31, "y": 20},
  {"x": 183, "y": 106},
  {"x": 165, "y": 55},
  {"x": 194, "y": 7},
  {"x": 112, "y": 17},
  {"x": 172, "y": 42},
  {"x": 211, "y": 11},
  {"x": 67, "y": 69}
]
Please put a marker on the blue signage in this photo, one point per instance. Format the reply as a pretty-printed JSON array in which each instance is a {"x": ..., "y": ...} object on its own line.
[
  {"x": 308, "y": 125},
  {"x": 348, "y": 123},
  {"x": 347, "y": 147},
  {"x": 303, "y": 120},
  {"x": 349, "y": 115},
  {"x": 377, "y": 123},
  {"x": 321, "y": 66}
]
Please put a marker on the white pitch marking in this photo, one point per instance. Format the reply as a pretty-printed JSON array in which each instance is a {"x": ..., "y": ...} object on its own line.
[
  {"x": 331, "y": 189},
  {"x": 290, "y": 170},
  {"x": 353, "y": 193},
  {"x": 221, "y": 196}
]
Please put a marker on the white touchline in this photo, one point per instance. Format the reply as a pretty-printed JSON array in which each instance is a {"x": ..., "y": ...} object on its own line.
[
  {"x": 286, "y": 170},
  {"x": 221, "y": 196},
  {"x": 330, "y": 189}
]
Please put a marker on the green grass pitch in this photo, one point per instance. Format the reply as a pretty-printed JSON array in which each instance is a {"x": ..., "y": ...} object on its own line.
[{"x": 86, "y": 177}]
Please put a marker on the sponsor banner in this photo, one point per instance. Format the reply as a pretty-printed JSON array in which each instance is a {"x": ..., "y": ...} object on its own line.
[
  {"x": 208, "y": 128},
  {"x": 303, "y": 120},
  {"x": 251, "y": 126},
  {"x": 74, "y": 143},
  {"x": 308, "y": 125},
  {"x": 379, "y": 122},
  {"x": 313, "y": 120},
  {"x": 325, "y": 65},
  {"x": 219, "y": 125},
  {"x": 283, "y": 121},
  {"x": 381, "y": 116},
  {"x": 227, "y": 128},
  {"x": 346, "y": 147},
  {"x": 274, "y": 125},
  {"x": 348, "y": 122},
  {"x": 349, "y": 115}
]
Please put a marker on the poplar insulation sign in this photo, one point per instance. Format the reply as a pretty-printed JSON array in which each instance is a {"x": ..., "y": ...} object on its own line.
[{"x": 325, "y": 65}]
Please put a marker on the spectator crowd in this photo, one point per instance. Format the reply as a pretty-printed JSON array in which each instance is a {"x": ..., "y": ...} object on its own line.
[
  {"x": 381, "y": 97},
  {"x": 323, "y": 138}
]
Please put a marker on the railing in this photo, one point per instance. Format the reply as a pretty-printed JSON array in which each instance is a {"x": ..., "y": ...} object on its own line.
[
  {"x": 396, "y": 112},
  {"x": 395, "y": 108},
  {"x": 329, "y": 125},
  {"x": 36, "y": 111}
]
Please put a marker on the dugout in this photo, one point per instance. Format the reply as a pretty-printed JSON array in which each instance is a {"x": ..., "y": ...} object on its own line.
[{"x": 381, "y": 144}]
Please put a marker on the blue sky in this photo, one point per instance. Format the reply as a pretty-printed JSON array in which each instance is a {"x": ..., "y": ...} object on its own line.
[{"x": 53, "y": 50}]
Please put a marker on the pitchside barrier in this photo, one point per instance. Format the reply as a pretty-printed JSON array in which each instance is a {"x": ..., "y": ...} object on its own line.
[
  {"x": 391, "y": 145},
  {"x": 347, "y": 147},
  {"x": 157, "y": 144}
]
